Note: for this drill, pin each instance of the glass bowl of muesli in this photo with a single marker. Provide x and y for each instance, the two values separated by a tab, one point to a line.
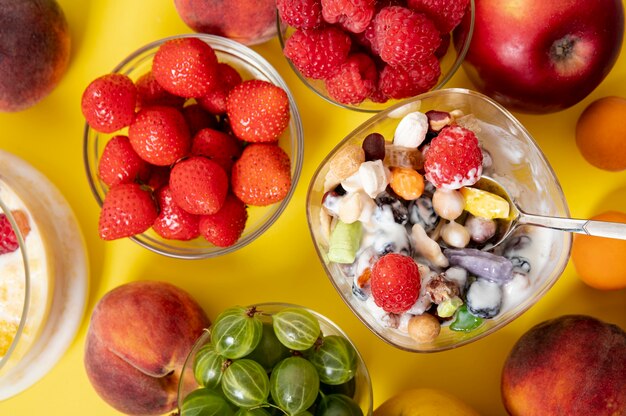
405	233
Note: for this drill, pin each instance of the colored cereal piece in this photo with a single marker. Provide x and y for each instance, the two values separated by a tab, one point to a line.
407	183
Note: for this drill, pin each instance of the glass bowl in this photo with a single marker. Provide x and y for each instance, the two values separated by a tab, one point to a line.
43	289
518	164
450	61
362	395
251	66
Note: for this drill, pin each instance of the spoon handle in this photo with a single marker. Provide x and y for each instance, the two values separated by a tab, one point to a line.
589	227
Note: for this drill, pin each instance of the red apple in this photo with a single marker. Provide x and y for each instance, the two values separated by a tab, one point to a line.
539	56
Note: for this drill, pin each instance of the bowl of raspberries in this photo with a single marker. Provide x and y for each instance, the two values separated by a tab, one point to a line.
404	220
366	55
193	146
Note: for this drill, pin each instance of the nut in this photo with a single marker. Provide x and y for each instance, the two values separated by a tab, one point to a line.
411	130
347	161
437	120
424	328
455	235
428	247
448	204
441	289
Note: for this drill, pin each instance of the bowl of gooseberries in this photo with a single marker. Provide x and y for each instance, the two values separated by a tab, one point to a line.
274	359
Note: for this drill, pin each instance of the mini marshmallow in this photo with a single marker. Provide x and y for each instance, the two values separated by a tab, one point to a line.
374	177
352	205
411	130
352	183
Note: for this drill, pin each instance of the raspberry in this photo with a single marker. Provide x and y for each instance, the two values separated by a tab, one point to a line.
173	222
318	53
186	67
215	101
198	185
352	15
454	158
446	14
398	83
262	175
355	80
301	14
127	210
119	163
258	111
160	135
404	37
220	147
8	238
150	92
225	226
108	102
395	282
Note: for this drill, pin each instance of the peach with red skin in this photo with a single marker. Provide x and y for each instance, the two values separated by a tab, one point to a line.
34	51
571	365
138	339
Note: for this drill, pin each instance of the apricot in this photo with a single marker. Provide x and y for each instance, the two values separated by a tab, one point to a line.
138	339
570	365
601	262
247	21
34	51
422	402
601	133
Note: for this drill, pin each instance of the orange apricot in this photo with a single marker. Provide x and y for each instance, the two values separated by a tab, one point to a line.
601	262
601	133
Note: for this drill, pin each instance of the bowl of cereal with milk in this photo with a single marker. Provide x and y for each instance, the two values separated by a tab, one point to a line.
406	233
43	275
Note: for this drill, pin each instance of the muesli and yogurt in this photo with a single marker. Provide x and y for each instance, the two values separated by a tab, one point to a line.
406	222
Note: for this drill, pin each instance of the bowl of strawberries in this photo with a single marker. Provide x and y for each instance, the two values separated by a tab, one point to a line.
367	55
193	146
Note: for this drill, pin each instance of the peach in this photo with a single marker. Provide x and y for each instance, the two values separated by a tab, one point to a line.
34	51
247	21
570	365
138	339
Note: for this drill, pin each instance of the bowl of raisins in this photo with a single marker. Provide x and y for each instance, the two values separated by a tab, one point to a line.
407	236
274	358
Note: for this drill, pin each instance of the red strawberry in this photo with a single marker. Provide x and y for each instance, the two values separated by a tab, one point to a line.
398	83
225	226
395	282
301	14
215	101
355	80
186	67
173	222
262	175
150	92
217	146
318	53
160	135
404	37
8	238
119	163
198	118
258	111
108	102
158	176
446	14
352	15
127	210
454	158
198	185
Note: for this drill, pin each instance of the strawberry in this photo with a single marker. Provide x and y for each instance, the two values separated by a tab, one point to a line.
160	135
150	92
108	102
119	163
198	118
198	185
127	210
446	14
301	14
186	67
258	111
262	175
398	83
157	176
215	101
352	15
354	81
454	158
173	222
404	37
395	282
318	53
8	238
225	226
217	146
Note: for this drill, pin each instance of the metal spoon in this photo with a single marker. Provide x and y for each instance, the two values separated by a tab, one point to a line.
518	217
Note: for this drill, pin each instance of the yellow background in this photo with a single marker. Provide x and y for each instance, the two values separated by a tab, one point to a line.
282	264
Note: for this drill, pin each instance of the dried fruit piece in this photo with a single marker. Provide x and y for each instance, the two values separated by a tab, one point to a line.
485	204
407	183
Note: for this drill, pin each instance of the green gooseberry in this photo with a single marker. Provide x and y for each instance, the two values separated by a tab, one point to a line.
236	332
